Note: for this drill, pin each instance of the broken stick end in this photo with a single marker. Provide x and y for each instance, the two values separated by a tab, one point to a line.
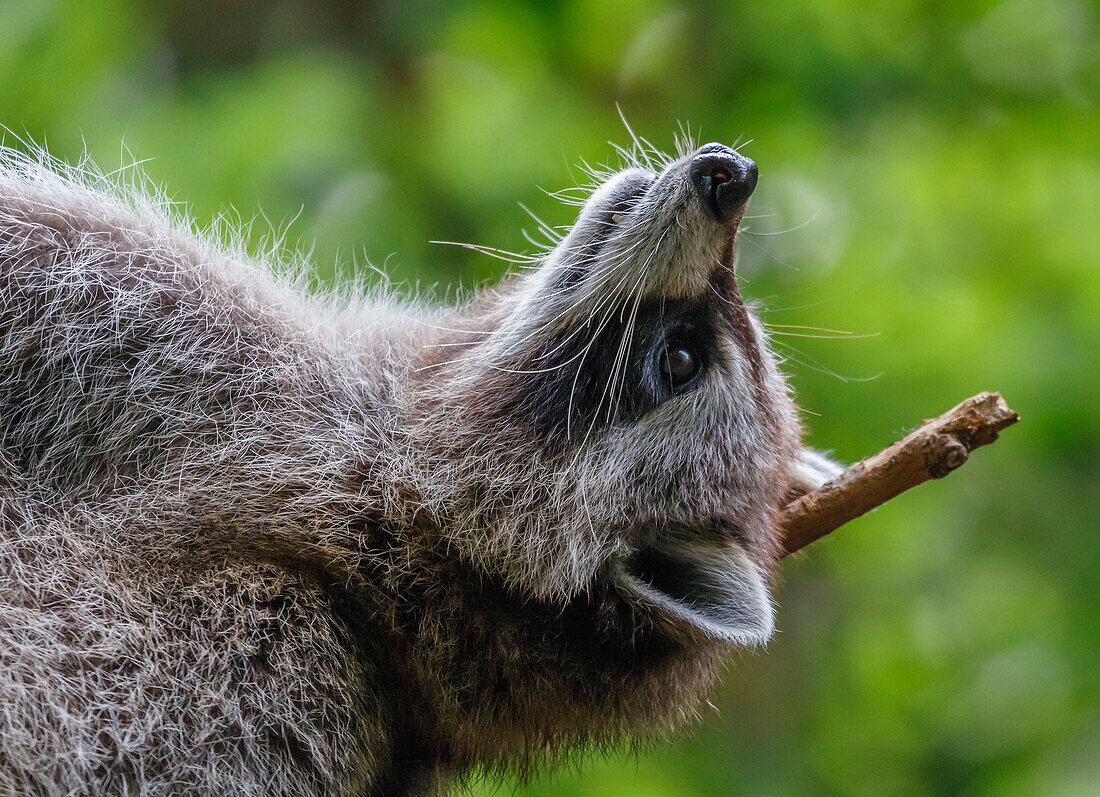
936	448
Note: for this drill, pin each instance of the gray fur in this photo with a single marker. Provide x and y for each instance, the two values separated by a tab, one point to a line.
258	541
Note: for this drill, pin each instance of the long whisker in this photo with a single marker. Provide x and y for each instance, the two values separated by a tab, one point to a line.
553	235
789	229
492	251
815	365
618	367
845	336
808	326
770	254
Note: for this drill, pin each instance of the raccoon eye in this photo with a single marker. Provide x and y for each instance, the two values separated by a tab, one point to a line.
678	365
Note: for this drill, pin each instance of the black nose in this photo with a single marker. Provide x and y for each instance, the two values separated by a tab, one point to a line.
723	179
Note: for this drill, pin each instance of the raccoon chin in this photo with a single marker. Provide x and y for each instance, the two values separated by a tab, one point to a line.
699	590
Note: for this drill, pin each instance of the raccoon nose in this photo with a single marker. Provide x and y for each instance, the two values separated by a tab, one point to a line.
723	179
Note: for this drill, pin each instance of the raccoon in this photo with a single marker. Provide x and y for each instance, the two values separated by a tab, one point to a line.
261	539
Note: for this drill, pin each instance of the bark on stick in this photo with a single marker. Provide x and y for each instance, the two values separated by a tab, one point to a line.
931	452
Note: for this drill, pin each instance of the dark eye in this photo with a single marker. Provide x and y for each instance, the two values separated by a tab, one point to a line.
679	364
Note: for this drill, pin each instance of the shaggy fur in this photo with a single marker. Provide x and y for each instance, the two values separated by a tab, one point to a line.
257	541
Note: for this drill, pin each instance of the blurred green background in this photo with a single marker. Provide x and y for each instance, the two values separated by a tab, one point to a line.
930	179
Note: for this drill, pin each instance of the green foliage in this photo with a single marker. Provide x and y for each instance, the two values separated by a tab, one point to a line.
930	178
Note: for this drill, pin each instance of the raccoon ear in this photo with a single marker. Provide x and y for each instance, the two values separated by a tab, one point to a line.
699	592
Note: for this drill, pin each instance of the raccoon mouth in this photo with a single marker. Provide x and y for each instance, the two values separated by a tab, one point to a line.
699	590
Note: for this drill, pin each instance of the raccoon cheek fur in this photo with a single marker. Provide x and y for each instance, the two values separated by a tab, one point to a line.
266	541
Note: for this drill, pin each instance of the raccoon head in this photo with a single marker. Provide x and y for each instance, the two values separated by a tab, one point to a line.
616	414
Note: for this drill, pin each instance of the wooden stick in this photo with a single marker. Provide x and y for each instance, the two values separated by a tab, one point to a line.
931	452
